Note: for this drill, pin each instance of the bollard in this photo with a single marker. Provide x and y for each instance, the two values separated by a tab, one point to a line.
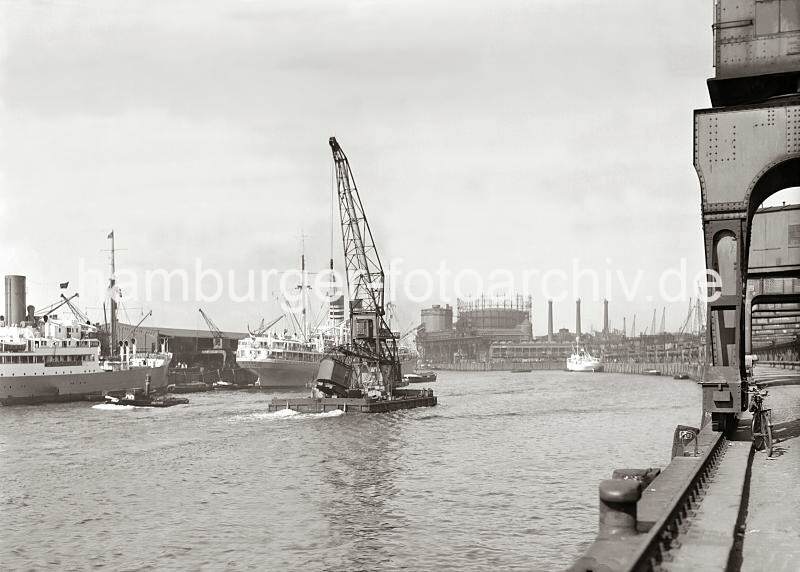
644	476
618	498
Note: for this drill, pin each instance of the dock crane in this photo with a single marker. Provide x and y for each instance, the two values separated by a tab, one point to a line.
262	328
216	333
368	363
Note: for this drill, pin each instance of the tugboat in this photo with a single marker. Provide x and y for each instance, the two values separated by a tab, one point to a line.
139	397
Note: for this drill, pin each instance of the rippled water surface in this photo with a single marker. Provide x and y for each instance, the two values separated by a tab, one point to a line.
501	475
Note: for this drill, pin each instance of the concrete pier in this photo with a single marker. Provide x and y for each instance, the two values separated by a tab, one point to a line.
736	511
772	527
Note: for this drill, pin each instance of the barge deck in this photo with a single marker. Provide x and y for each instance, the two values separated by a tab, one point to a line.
403	399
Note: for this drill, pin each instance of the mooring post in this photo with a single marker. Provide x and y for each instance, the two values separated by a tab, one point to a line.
618	498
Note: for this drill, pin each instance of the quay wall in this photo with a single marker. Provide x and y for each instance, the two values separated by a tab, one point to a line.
666	368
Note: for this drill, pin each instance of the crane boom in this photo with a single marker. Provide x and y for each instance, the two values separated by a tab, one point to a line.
136	327
362	264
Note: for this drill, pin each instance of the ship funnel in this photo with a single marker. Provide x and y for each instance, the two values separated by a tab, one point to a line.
15	299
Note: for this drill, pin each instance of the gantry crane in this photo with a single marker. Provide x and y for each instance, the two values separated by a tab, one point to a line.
368	362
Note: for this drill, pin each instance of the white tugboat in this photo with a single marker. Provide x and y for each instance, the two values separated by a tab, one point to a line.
582	360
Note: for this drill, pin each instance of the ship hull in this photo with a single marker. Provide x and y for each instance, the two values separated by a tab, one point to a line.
27	390
282	374
586	367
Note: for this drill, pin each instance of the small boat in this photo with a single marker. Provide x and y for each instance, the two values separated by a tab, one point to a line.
224	385
521	370
420	377
140	398
651	372
681	376
581	360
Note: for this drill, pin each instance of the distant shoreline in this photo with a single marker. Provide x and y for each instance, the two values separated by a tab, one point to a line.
666	369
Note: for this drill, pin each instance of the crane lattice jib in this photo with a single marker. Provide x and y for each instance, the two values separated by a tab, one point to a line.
212	327
365	278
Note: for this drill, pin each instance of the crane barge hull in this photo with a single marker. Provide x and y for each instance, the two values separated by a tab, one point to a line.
402	399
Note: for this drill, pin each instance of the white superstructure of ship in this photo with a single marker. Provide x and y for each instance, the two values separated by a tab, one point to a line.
582	360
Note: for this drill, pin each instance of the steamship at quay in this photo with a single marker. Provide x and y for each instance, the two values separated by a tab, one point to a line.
280	362
291	360
44	359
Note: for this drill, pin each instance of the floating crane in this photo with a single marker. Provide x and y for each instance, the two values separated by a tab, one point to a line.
368	363
216	333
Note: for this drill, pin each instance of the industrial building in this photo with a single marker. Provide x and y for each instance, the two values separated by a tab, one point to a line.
499	332
480	323
184	344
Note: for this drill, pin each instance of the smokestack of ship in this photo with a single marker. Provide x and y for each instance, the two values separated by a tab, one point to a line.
15	299
605	318
549	320
578	317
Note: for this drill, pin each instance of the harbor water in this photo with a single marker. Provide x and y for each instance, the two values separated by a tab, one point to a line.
502	474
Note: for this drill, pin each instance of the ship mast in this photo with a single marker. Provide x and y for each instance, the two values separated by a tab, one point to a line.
303	287
112	290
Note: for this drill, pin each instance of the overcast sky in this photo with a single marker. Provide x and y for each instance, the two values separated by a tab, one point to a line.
486	135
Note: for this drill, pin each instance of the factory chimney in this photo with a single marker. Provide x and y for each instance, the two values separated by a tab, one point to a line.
549	320
624	327
15	299
578	318
605	318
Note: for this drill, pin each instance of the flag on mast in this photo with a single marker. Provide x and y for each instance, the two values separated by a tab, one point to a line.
110	234
64	285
